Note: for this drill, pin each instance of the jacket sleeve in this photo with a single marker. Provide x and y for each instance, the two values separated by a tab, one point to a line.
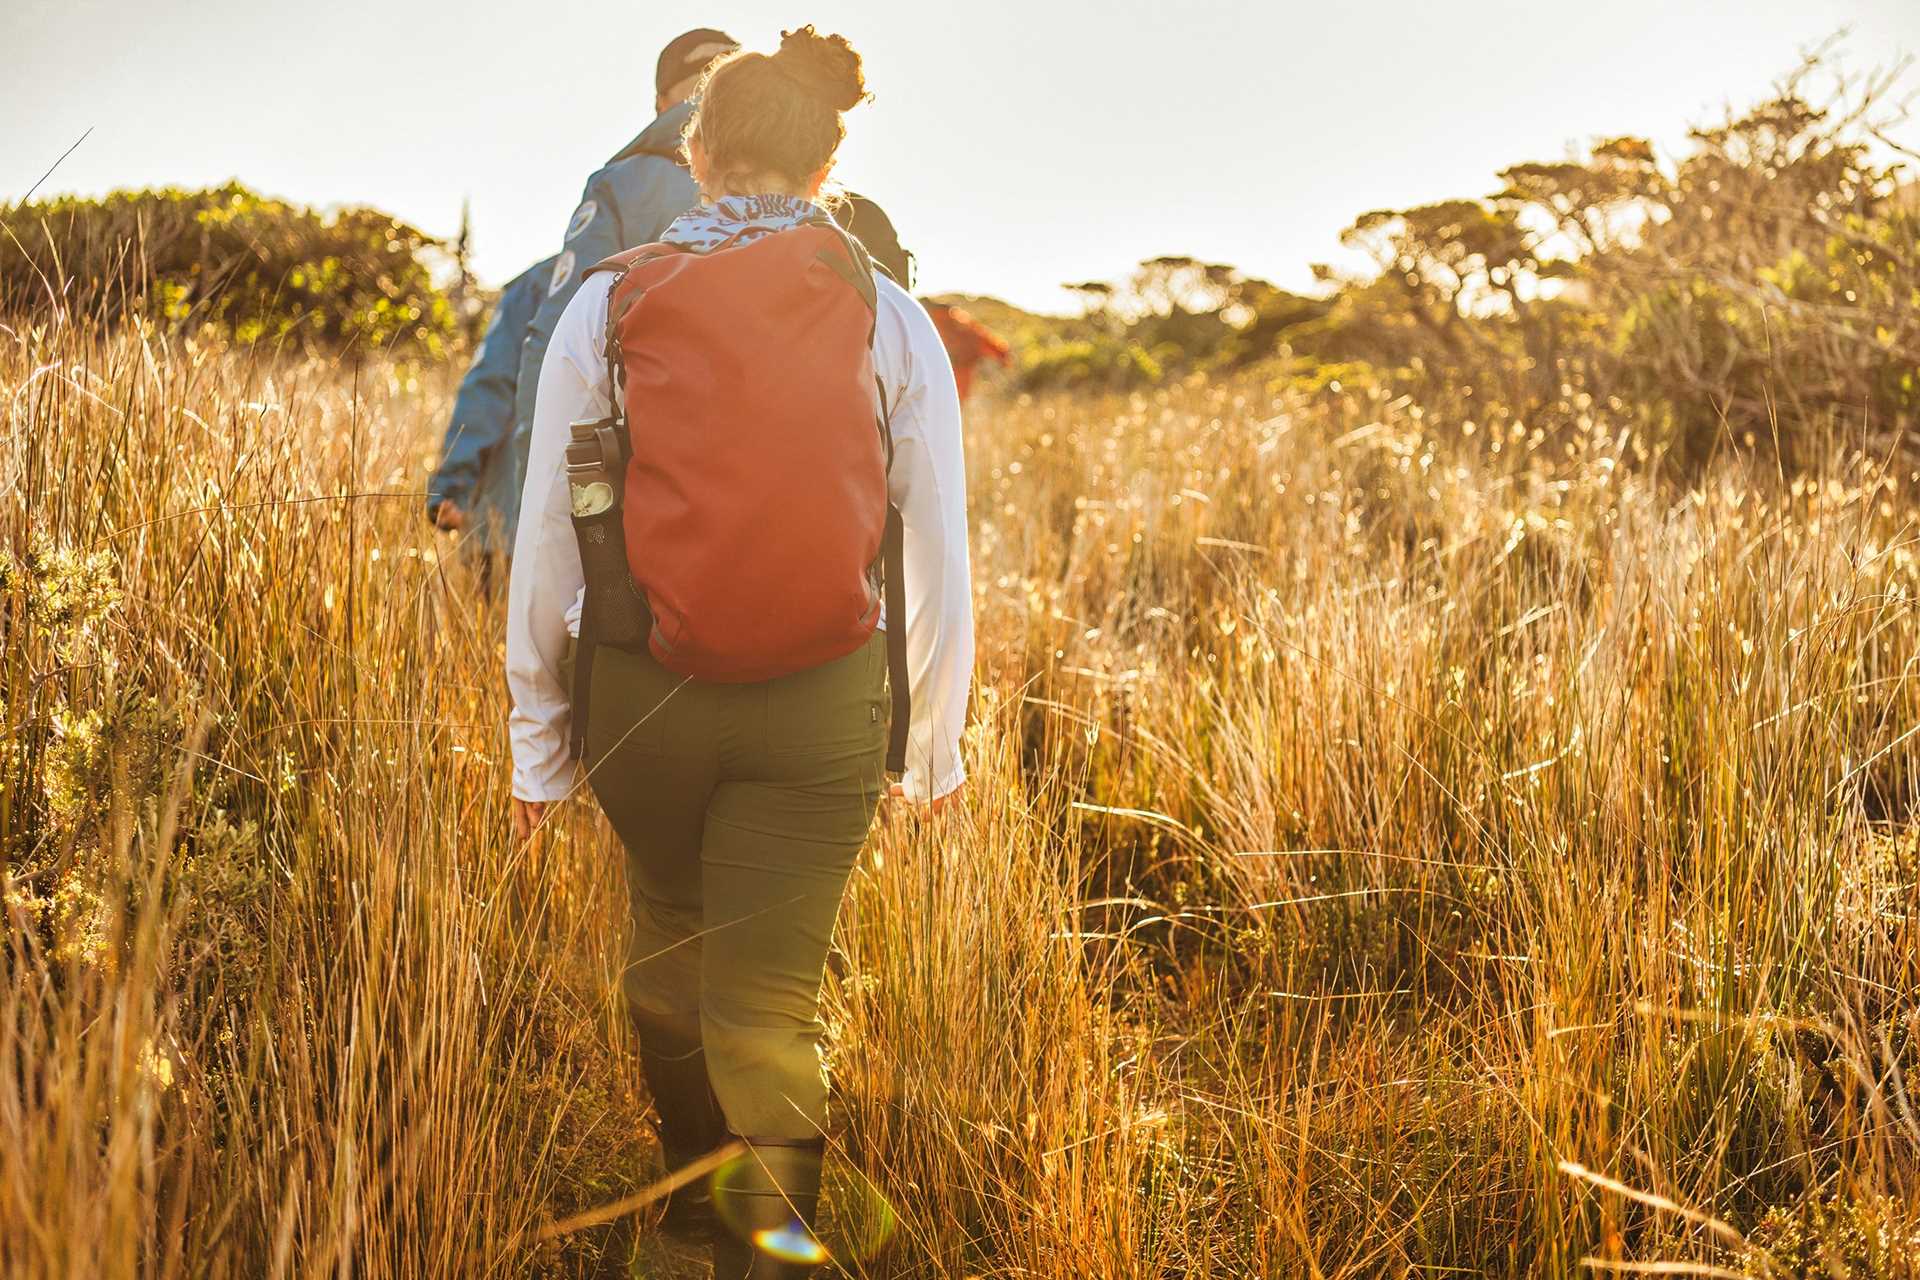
483	411
544	588
928	482
594	233
627	203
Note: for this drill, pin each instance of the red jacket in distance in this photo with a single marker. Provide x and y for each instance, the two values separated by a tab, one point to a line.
968	342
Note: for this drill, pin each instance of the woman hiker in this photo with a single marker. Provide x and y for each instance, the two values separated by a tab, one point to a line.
745	492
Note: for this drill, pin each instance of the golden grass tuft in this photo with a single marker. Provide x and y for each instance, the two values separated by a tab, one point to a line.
1386	855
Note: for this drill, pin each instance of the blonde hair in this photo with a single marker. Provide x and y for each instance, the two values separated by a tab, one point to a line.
776	115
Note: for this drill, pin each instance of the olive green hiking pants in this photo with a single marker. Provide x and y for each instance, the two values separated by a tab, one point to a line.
742	808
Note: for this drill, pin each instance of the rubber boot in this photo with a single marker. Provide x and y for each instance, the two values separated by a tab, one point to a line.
768	1202
687	1118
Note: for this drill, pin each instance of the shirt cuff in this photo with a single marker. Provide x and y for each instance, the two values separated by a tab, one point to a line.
437	493
544	785
914	784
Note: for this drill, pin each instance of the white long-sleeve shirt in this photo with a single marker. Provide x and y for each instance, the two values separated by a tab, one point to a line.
927	482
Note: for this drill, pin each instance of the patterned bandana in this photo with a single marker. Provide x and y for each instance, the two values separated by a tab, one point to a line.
740	219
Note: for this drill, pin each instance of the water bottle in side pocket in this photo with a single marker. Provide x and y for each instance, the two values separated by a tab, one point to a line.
615	613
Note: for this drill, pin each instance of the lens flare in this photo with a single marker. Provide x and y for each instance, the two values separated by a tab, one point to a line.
791	1243
857	1221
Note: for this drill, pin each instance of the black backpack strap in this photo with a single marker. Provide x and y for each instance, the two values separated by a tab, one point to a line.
582	691
893	545
893	579
616	367
858	271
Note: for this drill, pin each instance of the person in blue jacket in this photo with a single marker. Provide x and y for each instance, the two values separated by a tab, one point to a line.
475	489
629	201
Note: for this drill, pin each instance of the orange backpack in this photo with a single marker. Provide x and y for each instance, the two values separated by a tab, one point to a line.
755	513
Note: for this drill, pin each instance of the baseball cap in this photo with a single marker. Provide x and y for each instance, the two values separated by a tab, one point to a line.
689	54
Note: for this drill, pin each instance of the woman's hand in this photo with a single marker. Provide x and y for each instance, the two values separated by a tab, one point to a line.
527	816
925	808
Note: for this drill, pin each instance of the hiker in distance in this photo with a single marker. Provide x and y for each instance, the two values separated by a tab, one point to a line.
628	201
969	343
476	487
475	491
746	494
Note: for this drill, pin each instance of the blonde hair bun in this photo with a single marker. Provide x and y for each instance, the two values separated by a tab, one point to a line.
825	66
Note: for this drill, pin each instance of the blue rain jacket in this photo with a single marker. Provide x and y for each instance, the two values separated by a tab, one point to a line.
630	201
477	472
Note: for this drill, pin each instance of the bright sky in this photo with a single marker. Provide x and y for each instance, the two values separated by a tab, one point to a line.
1017	143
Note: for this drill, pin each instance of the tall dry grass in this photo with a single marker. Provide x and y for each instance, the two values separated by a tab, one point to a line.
1390	851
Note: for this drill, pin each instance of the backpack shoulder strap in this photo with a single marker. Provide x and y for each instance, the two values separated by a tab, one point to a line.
626	259
857	269
619	265
894	585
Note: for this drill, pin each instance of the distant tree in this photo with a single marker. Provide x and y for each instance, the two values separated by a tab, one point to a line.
1769	267
1096	304
1451	280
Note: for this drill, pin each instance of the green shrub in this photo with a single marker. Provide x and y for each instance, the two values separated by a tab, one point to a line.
1100	361
258	269
1836	1238
1822	335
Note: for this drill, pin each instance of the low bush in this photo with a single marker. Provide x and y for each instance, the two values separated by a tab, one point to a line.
257	268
